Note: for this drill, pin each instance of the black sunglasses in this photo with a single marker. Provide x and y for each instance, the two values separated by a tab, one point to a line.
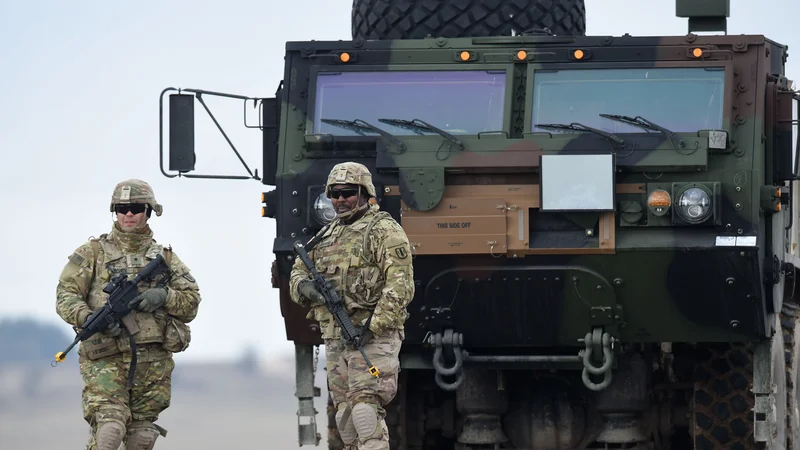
346	193
135	208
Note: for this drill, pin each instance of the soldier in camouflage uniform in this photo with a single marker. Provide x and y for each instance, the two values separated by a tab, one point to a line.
367	257
116	415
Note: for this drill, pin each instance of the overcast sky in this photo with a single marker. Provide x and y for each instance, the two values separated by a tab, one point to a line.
79	113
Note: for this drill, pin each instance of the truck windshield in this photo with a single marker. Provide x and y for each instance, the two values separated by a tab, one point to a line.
459	102
683	99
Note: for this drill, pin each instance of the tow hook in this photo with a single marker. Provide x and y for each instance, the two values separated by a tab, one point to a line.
597	342
453	342
597	358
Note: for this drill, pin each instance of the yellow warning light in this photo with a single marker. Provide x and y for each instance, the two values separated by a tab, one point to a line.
263	212
263	199
659	199
522	54
344	57
464	55
698	52
578	54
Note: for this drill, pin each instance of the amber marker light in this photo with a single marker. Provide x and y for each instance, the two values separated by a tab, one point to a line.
464	55
698	52
522	54
344	57
659	202
578	54
659	198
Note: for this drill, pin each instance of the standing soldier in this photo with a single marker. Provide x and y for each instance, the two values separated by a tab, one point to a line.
115	413
366	256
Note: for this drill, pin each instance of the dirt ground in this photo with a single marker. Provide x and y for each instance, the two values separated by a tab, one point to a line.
213	407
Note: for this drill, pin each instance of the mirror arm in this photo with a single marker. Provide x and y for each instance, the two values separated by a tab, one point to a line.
199	95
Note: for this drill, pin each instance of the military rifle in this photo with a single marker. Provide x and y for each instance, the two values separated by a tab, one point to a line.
336	307
118	307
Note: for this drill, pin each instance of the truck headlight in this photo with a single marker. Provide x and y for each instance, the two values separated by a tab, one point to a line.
323	209
694	205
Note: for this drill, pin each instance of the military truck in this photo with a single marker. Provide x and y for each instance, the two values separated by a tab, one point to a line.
604	228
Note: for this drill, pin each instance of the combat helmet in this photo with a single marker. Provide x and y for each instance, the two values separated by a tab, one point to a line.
135	191
350	173
355	174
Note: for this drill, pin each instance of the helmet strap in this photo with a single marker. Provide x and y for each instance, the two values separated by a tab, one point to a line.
355	210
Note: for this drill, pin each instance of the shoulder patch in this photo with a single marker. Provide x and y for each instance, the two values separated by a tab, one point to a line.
400	251
189	278
397	246
76	259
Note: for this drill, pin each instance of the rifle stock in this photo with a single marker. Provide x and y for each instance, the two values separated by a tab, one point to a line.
335	306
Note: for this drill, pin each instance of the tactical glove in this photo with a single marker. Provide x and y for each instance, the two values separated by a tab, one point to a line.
152	299
112	330
307	290
82	316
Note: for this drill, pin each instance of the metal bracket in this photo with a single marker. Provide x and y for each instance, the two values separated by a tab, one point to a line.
305	369
765	410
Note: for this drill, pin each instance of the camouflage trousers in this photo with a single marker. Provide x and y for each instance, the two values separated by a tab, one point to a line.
105	396
358	397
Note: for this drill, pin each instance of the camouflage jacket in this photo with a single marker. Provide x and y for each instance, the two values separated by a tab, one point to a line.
91	267
369	264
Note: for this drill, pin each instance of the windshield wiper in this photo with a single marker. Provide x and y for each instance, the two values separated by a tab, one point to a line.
641	122
418	124
359	126
581	127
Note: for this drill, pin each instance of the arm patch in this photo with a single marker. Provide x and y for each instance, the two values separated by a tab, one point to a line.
399	251
397	247
76	259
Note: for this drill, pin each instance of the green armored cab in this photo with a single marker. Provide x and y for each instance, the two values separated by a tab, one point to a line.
603	228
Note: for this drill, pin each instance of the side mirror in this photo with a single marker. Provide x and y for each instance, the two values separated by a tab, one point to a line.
797	137
181	133
795	175
779	132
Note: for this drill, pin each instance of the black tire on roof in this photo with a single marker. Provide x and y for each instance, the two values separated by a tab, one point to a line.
416	19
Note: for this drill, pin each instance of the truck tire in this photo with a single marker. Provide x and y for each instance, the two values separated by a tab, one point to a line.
723	399
416	19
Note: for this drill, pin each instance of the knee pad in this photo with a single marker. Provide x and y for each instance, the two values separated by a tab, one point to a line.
109	435
366	422
142	435
344	422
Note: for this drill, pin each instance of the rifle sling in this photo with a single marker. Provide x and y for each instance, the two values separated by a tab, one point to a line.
309	246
